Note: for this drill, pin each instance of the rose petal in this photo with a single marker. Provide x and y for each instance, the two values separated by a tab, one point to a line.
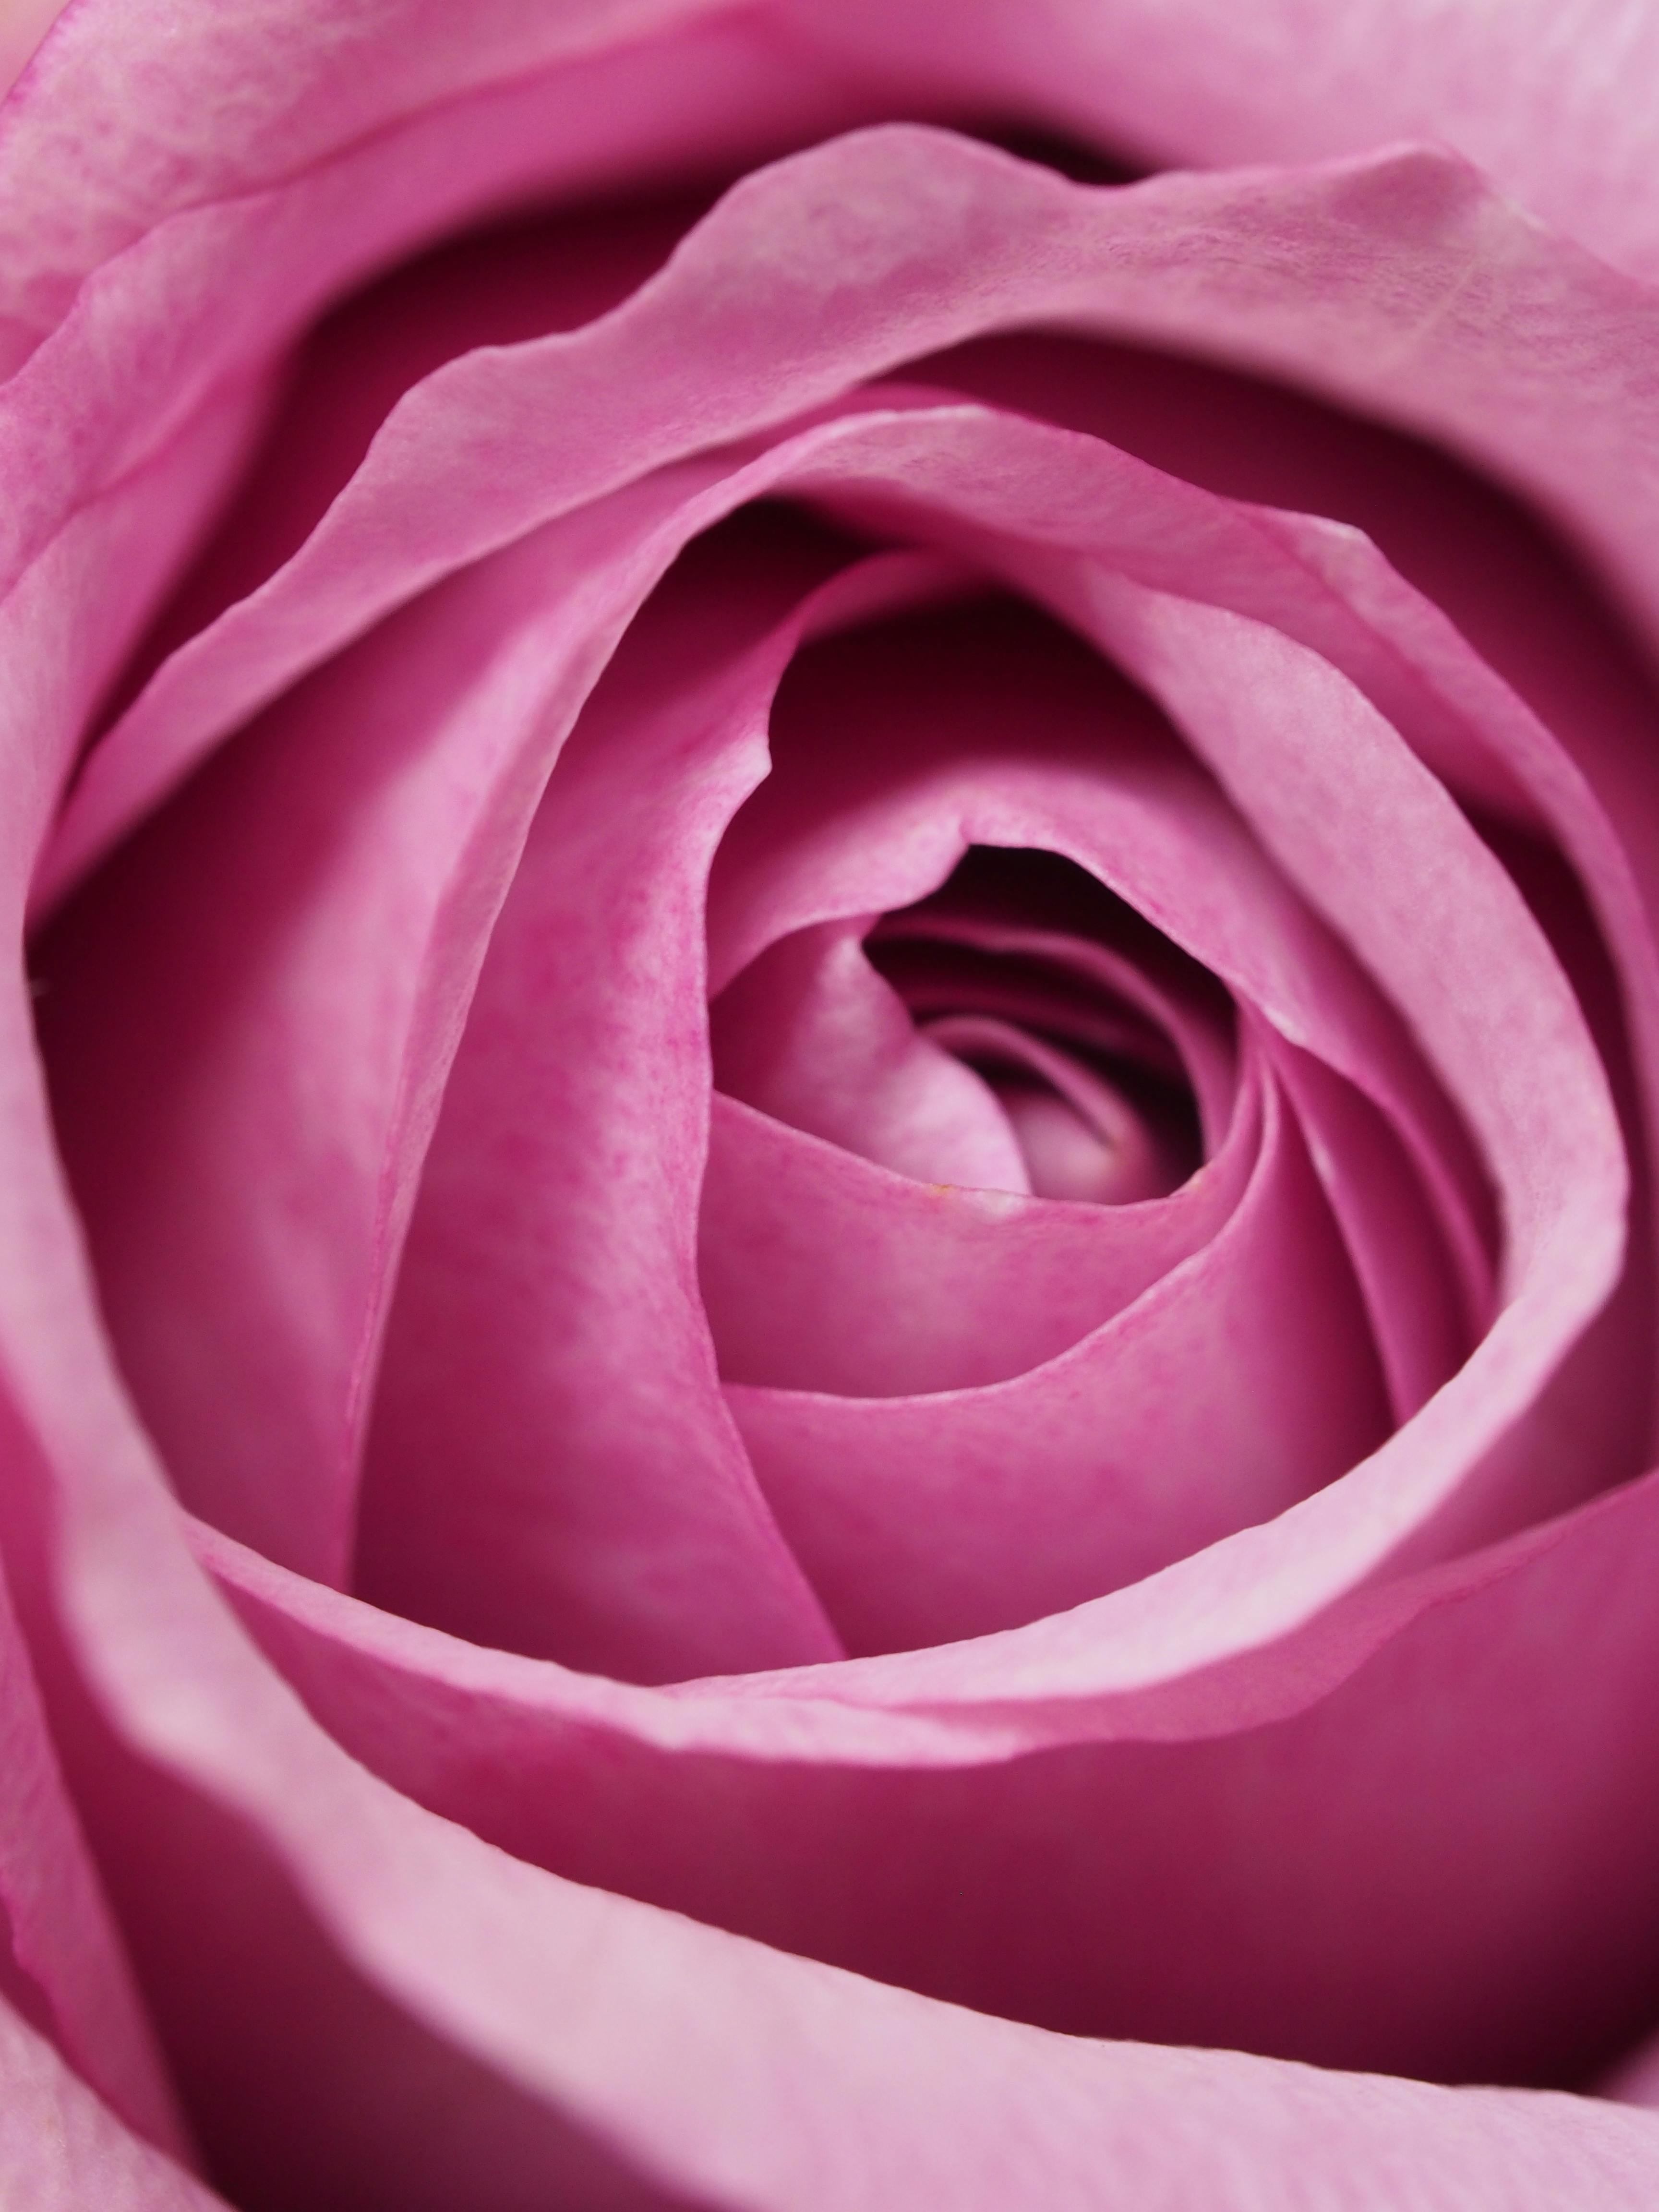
549	1446
1526	371
56	1932
252	1342
1539	100
1587	765
820	1271
893	753
1065	982
61	2150
377	125
1377	845
1388	1224
1433	1453
810	1034
1238	1383
350	371
1427	1805
163	1661
1080	1138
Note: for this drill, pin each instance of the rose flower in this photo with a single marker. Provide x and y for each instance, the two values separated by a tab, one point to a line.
826	1291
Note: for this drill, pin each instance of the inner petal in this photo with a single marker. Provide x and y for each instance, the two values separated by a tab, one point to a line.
957	1046
1078	1138
810	1034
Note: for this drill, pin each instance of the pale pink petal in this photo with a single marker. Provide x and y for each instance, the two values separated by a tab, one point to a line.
1237	1383
61	1957
1069	979
1550	102
61	2150
551	1465
1535	371
811	1034
1425	1845
820	1272
1079	1136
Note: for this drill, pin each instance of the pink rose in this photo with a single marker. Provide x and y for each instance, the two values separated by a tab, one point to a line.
828	1306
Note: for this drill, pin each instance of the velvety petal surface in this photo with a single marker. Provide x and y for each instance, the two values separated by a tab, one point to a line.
1544	97
60	2150
457	1876
62	1957
383	806
550	1396
822	1272
450	120
1241	1381
1525	371
1424	1767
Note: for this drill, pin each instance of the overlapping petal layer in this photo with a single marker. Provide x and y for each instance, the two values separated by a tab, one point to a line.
1533	92
60	2148
456	1874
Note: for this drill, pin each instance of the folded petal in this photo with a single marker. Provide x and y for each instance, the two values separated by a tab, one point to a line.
820	1271
552	1466
57	1934
1418	1840
1242	1380
378	127
61	2149
1527	370
1496	662
1547	102
810	1034
248	1195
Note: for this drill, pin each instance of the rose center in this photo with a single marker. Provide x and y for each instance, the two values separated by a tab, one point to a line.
993	1035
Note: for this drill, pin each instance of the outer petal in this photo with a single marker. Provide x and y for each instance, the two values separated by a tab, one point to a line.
61	2151
1546	97
130	117
1399	284
1424	1844
56	1932
730	2073
1550	99
662	2038
684	2035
